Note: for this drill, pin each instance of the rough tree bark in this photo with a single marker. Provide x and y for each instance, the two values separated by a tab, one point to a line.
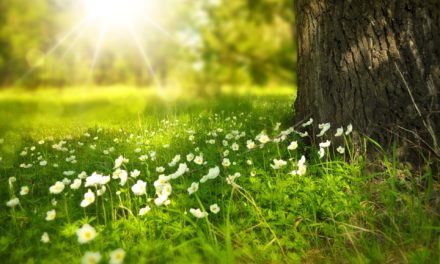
375	64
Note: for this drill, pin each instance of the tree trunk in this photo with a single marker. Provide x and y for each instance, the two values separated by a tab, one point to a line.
375	64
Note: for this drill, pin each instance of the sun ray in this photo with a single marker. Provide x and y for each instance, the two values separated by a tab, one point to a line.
98	47
147	61
159	28
75	40
61	41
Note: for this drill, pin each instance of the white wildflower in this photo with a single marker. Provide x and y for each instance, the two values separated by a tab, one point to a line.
214	208
349	129
117	256
89	198
226	162
91	257
13	202
45	238
50	215
277	164
140	188
143	211
339	132
198	213
57	188
135	173
293	145
86	234
193	188
24	190
341	150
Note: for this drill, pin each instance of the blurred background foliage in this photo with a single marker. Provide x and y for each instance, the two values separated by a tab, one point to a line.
204	43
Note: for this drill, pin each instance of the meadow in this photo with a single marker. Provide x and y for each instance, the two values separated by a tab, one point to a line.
138	176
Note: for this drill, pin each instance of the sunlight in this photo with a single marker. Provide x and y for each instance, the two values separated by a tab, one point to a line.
114	13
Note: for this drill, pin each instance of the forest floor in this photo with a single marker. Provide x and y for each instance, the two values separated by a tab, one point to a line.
123	173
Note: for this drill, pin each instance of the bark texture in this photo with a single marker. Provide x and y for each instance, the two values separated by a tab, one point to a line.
375	64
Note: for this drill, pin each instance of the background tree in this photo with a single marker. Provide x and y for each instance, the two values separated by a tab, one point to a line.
375	64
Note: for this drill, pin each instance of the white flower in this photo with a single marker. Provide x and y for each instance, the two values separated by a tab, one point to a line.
135	173
117	256
89	198
293	145
212	174
198	160
68	173
325	144
93	180
324	128
43	163
76	184
214	208
277	164
57	188
305	134
341	150
231	178
104	180
226	162
119	161
226	153
166	190
349	129
308	123
82	175
24	190
174	161
189	157
122	175
86	234
45	238
180	171
11	180
193	188
162	180
198	213
249	162
140	188
101	191
144	211
66	181
235	147
161	200
321	153
54	202
263	138
143	157
13	202
250	144
160	169
50	215
302	160
339	132
91	257
301	169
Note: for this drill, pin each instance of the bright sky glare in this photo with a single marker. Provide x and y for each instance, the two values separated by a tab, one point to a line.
116	13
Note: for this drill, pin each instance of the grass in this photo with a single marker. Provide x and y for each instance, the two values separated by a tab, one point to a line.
340	211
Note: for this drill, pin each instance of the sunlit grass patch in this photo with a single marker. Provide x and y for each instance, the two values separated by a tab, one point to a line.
194	180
